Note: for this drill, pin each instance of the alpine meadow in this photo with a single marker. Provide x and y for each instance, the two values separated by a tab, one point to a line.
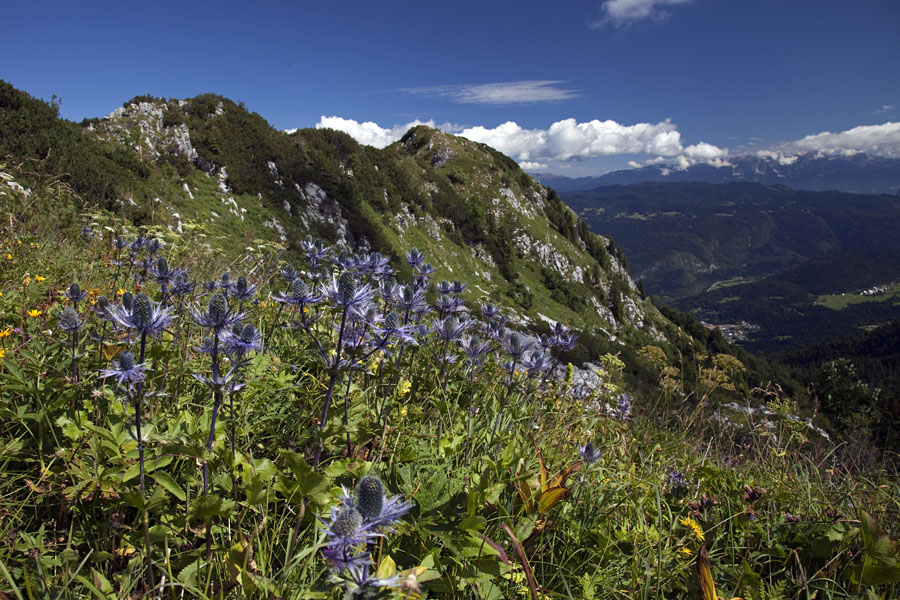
237	362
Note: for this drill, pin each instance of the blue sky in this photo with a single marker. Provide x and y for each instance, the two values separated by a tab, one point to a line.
570	87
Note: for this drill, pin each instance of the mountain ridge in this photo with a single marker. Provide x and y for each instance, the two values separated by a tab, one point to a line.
859	173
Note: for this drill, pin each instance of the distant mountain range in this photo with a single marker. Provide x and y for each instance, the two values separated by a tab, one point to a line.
791	262
859	173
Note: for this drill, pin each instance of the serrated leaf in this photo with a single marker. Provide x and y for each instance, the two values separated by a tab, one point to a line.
209	506
170	485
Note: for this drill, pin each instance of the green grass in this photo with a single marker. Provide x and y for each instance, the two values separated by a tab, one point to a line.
841	301
778	507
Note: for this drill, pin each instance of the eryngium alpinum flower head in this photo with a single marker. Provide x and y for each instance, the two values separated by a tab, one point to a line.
142	315
126	371
217	315
68	320
370	497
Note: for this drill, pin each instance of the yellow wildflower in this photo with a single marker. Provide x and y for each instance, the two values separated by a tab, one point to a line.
34	313
2	352
694	527
120	292
686	551
8	256
39	279
404	387
403	412
5	333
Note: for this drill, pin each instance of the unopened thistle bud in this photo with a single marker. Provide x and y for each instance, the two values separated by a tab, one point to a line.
370	497
347	522
346	286
142	311
217	308
126	361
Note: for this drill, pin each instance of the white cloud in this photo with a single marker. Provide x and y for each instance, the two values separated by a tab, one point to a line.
565	140
512	92
627	12
368	133
568	139
881	139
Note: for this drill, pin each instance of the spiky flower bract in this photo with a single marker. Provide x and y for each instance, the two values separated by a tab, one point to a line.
126	372
218	315
143	316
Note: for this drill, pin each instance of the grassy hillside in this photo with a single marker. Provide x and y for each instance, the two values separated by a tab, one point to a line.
238	462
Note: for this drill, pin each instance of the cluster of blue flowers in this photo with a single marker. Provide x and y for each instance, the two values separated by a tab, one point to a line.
352	530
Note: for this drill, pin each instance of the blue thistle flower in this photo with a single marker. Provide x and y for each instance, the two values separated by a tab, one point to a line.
414	258
69	320
143	315
218	315
589	454
242	290
126	371
75	294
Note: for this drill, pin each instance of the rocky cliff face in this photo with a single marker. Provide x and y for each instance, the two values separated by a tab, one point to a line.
473	211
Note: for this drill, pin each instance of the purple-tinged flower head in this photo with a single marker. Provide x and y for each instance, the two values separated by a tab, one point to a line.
450	329
415	258
392	328
545	341
182	285
225	283
69	320
242	340
288	273
346	537
360	582
377	511
589	454
458	287
623	410
677	479
377	265
496	330
316	252
163	274
474	349
127	300
300	295
126	372
153	246
137	244
144	316
515	344
120	243
426	270
102	308
87	233
422	332
412	300
344	262
490	311
75	294
566	341
346	293
447	305
218	316
536	362
389	289
210	286
444	287
226	384
242	290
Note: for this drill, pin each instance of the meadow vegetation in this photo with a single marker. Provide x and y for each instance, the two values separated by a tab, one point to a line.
256	423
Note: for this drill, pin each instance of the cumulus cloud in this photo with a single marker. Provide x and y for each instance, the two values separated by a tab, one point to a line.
512	92
367	132
881	139
627	12
568	139
563	141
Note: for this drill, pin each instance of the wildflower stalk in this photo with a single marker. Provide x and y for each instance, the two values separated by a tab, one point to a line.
335	368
